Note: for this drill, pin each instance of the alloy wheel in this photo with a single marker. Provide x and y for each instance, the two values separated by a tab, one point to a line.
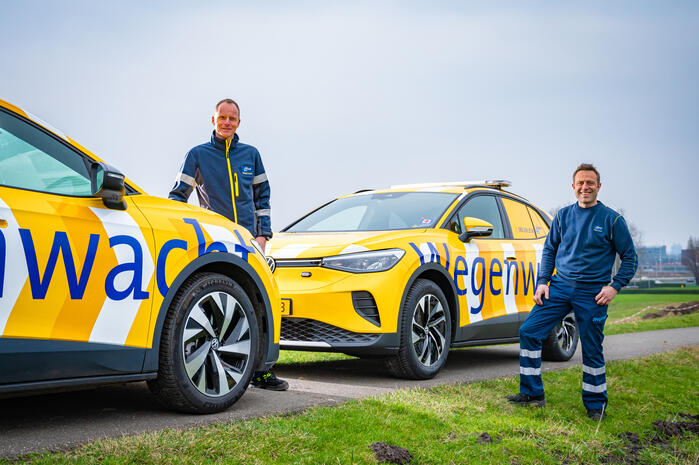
216	343
428	330
566	332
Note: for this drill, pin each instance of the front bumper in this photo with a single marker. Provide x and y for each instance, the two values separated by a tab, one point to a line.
313	335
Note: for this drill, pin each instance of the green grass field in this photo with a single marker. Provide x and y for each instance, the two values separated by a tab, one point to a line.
625	306
445	425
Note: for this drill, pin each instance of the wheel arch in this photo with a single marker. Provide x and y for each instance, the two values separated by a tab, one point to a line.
242	273
438	275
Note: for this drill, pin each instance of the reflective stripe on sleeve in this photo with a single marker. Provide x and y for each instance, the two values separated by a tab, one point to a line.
260	178
186	179
593	371
530	353
529	371
592	388
262	212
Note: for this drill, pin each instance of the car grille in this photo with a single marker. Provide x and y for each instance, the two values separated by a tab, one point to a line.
307	330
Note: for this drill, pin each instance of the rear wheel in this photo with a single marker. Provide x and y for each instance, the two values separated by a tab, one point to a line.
562	341
425	333
208	346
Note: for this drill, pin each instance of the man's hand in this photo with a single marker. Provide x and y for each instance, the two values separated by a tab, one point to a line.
542	290
606	295
262	241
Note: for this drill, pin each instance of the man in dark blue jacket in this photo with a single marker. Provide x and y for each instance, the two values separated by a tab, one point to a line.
582	245
230	179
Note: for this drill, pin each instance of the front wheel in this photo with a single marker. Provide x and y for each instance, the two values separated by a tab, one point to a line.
425	333
208	346
562	341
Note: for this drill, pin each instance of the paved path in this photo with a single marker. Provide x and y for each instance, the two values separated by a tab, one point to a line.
64	420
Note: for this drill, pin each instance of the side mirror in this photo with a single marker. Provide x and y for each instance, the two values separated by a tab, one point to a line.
108	183
475	227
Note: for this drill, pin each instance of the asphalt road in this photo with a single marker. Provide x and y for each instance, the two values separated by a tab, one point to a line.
64	420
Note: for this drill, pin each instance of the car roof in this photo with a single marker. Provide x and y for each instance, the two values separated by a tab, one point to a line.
457	187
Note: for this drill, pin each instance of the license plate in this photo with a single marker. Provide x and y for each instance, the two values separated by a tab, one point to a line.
286	306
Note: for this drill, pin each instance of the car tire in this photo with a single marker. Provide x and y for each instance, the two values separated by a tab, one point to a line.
562	341
425	333
209	345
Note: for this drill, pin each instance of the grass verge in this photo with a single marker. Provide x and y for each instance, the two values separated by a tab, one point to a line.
445	425
626	311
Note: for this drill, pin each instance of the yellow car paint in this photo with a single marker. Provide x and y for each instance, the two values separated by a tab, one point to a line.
74	270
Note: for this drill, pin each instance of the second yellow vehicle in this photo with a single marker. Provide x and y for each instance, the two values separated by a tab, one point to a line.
406	273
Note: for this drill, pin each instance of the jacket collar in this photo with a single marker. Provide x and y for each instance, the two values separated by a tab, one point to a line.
221	143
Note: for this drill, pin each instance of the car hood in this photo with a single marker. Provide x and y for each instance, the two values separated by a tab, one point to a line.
324	244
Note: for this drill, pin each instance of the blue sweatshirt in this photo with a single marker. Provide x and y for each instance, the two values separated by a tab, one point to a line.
214	170
582	245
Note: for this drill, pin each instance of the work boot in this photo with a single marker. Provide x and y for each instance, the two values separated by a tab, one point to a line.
268	380
524	399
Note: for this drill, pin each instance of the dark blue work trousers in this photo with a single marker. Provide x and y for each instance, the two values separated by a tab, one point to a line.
590	317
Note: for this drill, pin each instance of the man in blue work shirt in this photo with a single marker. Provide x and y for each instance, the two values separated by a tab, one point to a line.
230	179
582	245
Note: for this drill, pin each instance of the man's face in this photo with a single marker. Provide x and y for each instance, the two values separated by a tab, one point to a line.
226	120
586	188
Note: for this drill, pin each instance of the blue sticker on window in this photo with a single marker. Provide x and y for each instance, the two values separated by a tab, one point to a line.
246	170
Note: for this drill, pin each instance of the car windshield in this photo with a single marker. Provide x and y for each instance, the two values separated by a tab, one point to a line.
377	212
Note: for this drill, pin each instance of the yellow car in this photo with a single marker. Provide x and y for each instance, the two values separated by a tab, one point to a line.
406	273
100	282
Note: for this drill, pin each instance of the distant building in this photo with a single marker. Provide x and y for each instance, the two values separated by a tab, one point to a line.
675	251
651	257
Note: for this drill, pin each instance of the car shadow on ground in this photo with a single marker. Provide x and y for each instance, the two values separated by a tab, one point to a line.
373	372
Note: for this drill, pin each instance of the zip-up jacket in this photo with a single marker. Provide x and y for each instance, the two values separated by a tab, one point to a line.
582	245
230	179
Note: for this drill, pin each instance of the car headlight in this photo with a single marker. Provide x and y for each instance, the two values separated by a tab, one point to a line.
364	262
270	261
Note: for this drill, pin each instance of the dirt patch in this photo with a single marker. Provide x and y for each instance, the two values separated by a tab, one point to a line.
484	438
390	454
682	309
676	428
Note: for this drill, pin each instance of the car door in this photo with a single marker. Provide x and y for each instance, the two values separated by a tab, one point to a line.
526	248
486	312
75	276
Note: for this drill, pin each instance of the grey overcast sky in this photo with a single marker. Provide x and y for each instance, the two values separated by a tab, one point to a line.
340	96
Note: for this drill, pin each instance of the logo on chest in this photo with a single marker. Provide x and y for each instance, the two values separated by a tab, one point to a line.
598	229
246	170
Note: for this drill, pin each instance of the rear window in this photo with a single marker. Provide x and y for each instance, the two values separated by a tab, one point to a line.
520	221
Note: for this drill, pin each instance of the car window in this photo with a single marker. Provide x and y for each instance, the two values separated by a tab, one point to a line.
32	159
377	212
484	207
520	222
540	227
342	219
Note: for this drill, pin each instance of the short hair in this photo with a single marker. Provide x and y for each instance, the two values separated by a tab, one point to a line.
586	167
229	100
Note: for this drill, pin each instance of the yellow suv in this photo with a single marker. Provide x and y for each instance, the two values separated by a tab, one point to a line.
100	282
408	272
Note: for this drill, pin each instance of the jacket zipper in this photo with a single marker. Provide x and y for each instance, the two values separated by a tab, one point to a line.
234	189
